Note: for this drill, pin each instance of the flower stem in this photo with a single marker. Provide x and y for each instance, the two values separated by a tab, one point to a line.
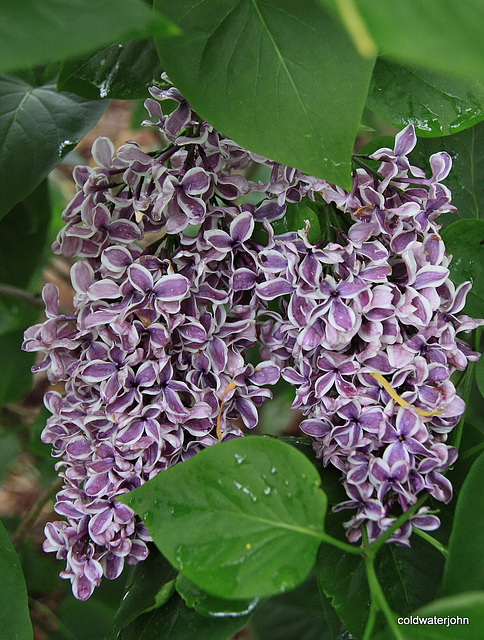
344	546
356	28
435	543
21	294
31	516
370	623
357	160
378	600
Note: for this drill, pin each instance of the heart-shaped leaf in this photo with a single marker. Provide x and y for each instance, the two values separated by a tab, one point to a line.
33	33
464	240
241	519
282	79
123	71
444	37
14	613
464	568
38	126
436	104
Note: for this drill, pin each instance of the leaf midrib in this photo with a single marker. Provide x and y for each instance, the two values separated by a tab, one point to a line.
280	56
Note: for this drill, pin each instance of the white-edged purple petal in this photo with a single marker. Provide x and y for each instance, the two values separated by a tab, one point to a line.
172	287
274	289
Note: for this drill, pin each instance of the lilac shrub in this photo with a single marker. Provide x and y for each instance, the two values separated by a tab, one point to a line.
179	274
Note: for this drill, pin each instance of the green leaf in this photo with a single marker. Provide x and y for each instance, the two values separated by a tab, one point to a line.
464	240
90	620
297	214
14	613
15	376
480	375
41	571
464	568
469	607
436	104
123	71
409	578
175	621
281	78
330	476
38	126
55	29
152	583
297	615
240	519
24	234
209	605
444	37
467	152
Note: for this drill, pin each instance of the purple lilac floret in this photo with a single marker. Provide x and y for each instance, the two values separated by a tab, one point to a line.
153	356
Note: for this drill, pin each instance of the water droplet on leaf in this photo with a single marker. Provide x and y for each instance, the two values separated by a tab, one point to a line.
66	146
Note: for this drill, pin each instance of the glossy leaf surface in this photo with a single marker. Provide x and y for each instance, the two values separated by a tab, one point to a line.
464	568
38	127
231	517
55	29
151	585
123	71
209	605
282	79
14	613
464	240
436	104
175	621
445	38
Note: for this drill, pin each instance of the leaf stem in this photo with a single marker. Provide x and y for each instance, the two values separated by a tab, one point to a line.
344	546
370	623
472	451
431	540
377	596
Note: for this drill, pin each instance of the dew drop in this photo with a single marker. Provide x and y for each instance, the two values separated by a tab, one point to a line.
66	146
178	557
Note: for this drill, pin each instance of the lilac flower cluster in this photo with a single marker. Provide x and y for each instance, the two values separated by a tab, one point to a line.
173	286
366	333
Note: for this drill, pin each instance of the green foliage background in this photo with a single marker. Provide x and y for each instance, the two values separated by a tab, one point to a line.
296	82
